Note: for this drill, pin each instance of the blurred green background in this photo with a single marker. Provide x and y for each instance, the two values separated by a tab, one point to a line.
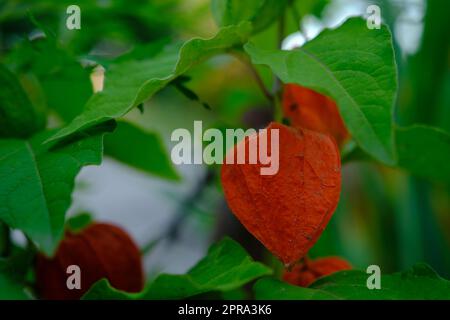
385	216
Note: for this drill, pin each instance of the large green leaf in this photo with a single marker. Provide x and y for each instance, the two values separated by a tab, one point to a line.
226	267
67	88
260	12
419	282
37	182
130	83
424	151
353	65
140	149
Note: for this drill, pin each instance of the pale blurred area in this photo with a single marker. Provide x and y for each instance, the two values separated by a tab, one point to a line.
146	206
408	26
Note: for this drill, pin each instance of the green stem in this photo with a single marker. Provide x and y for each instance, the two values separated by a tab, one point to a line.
241	56
278	109
260	84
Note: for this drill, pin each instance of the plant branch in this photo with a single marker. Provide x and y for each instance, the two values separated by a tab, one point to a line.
244	59
295	15
260	84
281	23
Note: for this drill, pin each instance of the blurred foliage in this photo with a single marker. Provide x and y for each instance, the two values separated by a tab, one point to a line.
386	216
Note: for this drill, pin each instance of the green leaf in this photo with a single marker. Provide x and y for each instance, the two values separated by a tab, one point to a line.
274	289
37	182
140	149
130	83
67	89
424	151
142	51
261	13
419	282
102	290
18	118
355	67
226	267
66	84
4	239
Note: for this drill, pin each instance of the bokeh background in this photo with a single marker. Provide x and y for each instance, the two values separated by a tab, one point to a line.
385	216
